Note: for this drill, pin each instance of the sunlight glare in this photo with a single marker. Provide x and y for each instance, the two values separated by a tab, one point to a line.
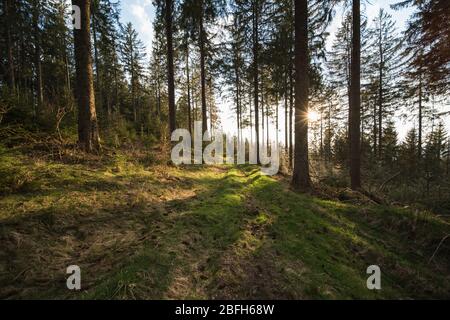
313	116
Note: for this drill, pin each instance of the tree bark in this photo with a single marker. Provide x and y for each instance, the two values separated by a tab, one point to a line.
256	72
380	97
286	107
170	68
202	70
291	113
188	79
98	85
88	137
419	149
301	178
355	105
37	57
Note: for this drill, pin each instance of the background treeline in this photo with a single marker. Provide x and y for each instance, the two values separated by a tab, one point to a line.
243	52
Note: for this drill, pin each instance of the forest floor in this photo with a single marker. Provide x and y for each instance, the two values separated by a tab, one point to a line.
143	230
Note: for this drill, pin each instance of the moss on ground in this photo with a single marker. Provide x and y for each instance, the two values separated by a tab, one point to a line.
142	231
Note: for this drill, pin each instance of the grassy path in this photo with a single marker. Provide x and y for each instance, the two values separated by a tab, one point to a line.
201	233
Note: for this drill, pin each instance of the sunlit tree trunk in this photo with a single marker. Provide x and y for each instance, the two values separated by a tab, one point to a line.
301	178
88	137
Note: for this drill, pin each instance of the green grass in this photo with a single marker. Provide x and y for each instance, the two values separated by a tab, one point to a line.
160	232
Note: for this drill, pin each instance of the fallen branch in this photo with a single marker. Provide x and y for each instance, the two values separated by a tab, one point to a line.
388	180
438	247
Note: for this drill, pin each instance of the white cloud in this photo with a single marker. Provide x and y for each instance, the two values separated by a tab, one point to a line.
141	15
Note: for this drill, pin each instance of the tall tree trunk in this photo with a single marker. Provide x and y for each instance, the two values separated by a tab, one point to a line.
286	111
355	105
263	129
188	79
202	70
380	94
291	112
448	157
238	93
98	85
88	137
210	102
256	72
267	126
419	149
277	125
380	102
301	179
375	130
37	57
329	152
251	118
170	68
322	153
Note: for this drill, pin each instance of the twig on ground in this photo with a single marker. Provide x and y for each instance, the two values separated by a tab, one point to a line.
438	247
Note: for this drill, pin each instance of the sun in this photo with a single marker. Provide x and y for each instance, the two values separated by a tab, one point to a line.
313	116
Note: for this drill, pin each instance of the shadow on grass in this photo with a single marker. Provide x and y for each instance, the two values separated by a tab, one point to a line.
213	233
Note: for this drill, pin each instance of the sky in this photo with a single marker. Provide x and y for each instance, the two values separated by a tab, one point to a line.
141	14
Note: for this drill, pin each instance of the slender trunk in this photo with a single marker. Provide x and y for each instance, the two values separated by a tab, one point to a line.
301	179
66	67
210	102
375	130
251	119
448	156
238	102
267	126
263	129
88	136
321	136
37	58
202	70
291	114
380	98
277	120
116	82
355	105
133	85
419	149
188	87
170	67
98	86
256	71
329	153
286	108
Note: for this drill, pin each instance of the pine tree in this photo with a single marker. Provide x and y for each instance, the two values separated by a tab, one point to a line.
133	54
384	67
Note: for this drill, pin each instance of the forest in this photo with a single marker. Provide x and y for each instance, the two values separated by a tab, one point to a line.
352	100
